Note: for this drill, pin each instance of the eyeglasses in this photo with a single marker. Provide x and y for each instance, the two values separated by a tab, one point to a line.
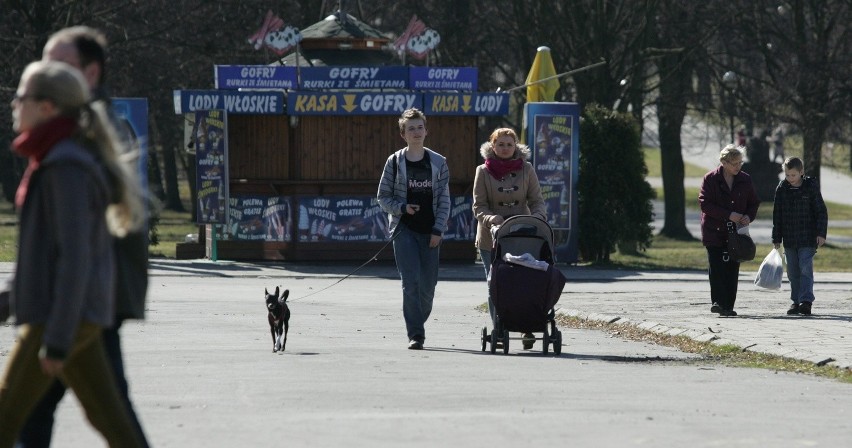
21	98
740	163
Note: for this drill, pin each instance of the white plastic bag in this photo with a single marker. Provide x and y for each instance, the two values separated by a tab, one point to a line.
770	272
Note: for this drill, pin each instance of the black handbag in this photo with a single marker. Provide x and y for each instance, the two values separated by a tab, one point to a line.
740	247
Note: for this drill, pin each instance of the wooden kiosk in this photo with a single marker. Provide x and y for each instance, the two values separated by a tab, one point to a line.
302	176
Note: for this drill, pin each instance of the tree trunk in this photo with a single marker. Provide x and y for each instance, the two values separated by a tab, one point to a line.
671	155
675	78
167	134
813	134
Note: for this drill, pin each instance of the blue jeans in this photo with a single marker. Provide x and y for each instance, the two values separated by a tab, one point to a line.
485	255
800	272
418	268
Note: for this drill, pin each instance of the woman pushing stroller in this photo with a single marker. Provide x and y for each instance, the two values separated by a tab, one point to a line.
504	186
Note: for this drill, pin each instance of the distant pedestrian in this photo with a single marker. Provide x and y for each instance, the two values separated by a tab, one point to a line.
727	194
504	186
741	137
414	192
778	143
800	223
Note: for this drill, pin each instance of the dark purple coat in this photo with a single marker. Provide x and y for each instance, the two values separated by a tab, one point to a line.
717	201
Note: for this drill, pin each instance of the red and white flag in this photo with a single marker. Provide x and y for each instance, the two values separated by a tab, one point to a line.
415	27
274	35
417	40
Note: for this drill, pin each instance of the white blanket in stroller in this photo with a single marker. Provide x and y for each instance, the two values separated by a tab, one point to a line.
526	260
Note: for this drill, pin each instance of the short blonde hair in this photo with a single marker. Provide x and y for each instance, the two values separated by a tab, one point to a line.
730	151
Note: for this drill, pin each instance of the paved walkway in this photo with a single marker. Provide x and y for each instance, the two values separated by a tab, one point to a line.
677	303
674	302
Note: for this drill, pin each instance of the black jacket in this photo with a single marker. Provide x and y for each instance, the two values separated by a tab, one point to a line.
799	216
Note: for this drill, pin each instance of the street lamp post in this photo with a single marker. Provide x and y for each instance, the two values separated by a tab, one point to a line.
730	81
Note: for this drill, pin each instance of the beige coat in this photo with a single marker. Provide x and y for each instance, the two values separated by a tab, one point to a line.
521	195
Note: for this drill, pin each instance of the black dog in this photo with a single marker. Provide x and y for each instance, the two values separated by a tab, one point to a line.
279	318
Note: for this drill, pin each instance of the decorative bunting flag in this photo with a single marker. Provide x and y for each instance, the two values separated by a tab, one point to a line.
274	35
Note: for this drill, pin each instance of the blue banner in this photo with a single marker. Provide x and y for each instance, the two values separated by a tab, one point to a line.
443	78
255	77
356	78
478	104
355	103
552	130
232	102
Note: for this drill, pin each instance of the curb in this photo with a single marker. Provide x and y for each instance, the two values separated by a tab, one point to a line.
698	336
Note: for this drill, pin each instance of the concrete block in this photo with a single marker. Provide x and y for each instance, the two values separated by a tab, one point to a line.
647	325
693	334
676	331
661	329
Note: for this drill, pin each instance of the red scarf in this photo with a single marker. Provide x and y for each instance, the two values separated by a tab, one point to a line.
35	144
499	168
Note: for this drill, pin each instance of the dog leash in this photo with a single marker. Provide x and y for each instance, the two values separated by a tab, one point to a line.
371	259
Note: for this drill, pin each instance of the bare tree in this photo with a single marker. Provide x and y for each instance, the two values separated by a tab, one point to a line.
794	56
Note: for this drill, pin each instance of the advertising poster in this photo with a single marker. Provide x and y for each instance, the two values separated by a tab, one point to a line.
338	218
211	157
133	115
462	224
553	133
259	218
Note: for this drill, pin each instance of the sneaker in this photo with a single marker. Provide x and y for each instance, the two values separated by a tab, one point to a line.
794	309
415	345
716	308
805	308
529	341
728	313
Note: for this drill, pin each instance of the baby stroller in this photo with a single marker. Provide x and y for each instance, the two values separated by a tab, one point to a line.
525	288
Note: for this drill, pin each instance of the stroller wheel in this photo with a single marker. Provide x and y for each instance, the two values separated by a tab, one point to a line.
557	343
484	338
505	342
545	341
494	341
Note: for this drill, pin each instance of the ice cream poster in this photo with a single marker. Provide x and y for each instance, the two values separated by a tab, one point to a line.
209	137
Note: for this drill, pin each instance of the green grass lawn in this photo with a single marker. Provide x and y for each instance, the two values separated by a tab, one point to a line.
173	228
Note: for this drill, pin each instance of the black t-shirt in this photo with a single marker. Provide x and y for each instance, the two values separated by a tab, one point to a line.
419	175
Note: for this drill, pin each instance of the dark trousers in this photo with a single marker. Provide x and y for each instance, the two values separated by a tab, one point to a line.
38	430
724	275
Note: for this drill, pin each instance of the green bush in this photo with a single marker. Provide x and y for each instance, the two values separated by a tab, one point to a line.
614	198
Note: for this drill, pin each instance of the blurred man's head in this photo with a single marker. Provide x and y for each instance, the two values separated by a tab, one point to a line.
81	47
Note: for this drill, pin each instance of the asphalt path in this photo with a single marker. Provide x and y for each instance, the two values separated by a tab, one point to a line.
202	373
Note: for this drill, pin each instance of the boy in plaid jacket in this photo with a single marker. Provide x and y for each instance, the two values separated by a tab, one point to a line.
800	222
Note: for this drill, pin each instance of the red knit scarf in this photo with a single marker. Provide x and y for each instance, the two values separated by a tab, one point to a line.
35	144
499	168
